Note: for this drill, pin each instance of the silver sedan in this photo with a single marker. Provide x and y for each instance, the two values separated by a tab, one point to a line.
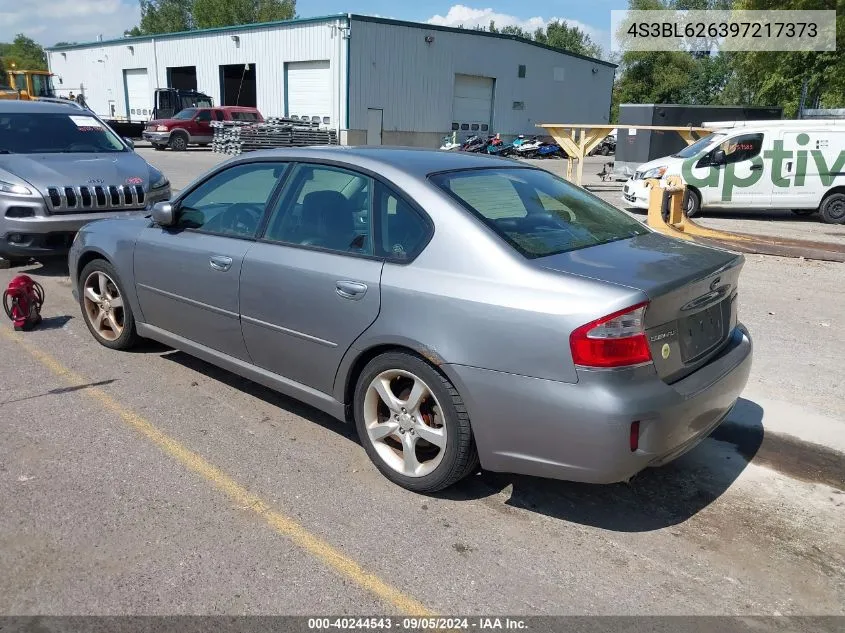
458	309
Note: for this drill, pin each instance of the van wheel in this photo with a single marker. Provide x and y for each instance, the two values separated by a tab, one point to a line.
178	142
413	423
833	209
693	209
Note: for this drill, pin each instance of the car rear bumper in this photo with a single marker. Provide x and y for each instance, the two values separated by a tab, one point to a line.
49	235
581	431
635	194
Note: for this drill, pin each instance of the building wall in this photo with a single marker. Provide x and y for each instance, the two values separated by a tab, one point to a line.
392	67
99	67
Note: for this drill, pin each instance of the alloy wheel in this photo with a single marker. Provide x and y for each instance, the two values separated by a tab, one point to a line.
103	305
404	422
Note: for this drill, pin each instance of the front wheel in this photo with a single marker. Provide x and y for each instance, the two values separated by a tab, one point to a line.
178	142
413	423
693	207
106	310
833	209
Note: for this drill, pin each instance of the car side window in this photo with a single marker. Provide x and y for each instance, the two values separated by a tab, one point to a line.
218	115
401	229
231	202
327	207
743	147
204	115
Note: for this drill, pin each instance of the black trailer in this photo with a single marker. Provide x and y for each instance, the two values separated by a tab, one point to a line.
635	147
168	102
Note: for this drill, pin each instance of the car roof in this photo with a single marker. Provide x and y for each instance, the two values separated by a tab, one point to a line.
46	107
245	108
413	161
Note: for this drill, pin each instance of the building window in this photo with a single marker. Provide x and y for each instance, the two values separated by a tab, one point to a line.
522	71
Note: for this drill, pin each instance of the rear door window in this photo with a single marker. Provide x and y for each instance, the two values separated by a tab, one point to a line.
537	213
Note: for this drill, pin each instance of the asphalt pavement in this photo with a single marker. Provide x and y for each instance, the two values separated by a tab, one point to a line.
150	482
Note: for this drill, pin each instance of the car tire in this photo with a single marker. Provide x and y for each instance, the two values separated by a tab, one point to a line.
383	429
111	325
693	208
178	142
833	209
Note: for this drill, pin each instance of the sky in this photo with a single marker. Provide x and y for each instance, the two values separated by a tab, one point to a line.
51	21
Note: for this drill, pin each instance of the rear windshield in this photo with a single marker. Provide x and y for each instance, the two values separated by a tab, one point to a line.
49	133
536	212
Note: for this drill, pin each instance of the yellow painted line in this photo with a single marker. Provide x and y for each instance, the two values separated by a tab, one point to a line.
282	524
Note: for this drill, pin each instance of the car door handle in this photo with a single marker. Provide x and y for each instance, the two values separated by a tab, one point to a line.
351	289
220	262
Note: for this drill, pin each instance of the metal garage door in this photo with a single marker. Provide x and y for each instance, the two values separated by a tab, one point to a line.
139	99
308	90
473	100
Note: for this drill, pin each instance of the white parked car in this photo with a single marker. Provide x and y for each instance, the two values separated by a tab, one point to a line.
797	165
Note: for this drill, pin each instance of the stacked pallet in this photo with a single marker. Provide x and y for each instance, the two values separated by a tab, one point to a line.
236	137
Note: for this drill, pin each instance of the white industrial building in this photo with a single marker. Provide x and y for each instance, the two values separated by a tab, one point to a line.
375	80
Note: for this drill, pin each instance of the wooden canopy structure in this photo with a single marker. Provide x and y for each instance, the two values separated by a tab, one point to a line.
579	139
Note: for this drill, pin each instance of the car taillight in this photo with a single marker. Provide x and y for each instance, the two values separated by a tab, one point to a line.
617	340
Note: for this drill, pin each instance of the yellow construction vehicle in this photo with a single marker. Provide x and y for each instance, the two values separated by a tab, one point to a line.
31	84
7	92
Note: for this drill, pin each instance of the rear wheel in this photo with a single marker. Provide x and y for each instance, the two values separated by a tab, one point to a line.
833	209
107	313
178	142
413	423
693	208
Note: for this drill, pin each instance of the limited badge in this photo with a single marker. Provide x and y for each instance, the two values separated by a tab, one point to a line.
665	351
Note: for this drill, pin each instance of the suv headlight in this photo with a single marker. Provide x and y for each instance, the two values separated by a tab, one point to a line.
655	172
8	187
161	128
159	183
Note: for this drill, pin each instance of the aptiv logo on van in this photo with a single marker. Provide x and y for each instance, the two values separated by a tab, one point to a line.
777	157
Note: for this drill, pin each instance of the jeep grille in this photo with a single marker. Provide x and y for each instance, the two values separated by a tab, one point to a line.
94	198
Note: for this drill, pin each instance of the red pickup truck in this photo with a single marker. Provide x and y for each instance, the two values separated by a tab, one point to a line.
192	126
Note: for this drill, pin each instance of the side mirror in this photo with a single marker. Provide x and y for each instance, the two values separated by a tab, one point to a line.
163	214
719	157
129	142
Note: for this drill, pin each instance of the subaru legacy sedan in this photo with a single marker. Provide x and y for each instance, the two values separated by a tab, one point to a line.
458	309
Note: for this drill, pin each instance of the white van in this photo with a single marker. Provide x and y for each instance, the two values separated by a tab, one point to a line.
797	165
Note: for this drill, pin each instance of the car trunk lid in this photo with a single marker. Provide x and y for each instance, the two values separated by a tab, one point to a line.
691	291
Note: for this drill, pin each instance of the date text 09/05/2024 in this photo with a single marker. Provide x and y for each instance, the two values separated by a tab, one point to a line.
723	29
417	623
